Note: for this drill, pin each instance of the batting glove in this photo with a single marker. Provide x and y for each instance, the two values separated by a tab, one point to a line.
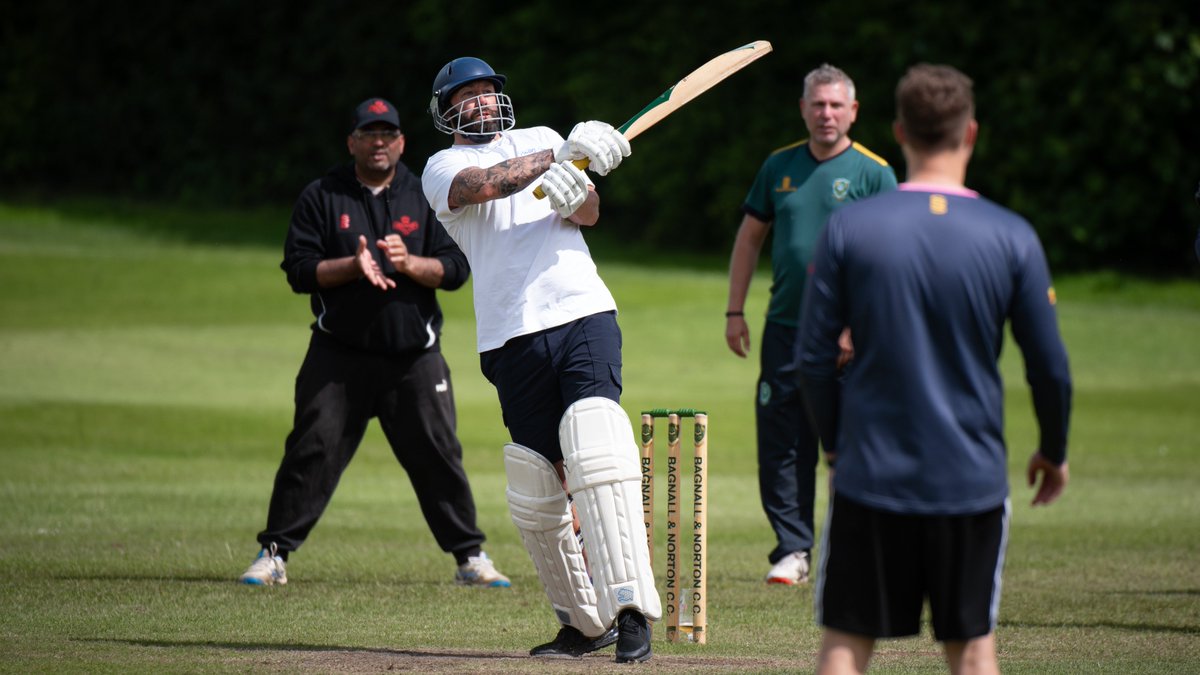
603	146
566	187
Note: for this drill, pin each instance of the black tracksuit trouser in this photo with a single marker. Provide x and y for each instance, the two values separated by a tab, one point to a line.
338	391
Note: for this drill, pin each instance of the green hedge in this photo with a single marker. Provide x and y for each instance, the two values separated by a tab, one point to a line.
1089	114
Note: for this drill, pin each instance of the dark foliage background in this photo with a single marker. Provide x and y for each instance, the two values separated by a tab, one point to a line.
1090	113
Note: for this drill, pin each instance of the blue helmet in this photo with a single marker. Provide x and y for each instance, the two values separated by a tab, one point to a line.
455	74
459	72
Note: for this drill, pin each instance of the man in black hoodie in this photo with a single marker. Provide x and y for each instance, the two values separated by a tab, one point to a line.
365	246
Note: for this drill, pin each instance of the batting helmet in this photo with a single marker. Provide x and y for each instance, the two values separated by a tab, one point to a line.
459	72
455	74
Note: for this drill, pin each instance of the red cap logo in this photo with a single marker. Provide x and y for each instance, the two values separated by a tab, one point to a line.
378	107
344	221
405	225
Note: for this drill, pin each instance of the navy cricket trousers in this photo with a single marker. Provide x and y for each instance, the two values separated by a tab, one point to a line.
538	376
787	445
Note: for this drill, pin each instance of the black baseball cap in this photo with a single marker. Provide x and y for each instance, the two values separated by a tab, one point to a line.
374	110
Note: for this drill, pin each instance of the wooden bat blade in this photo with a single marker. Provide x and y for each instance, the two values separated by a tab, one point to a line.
695	83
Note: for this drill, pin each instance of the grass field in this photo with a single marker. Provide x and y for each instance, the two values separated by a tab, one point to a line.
146	365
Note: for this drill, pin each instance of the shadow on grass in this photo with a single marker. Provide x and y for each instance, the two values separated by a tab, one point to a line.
1169	591
335	658
231	580
168	222
1115	625
292	647
266	226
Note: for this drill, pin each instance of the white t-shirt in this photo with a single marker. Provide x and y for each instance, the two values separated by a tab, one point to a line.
532	269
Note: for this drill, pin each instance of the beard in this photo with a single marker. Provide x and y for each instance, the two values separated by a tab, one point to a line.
487	130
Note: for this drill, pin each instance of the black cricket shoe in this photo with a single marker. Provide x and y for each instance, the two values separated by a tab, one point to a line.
633	637
571	644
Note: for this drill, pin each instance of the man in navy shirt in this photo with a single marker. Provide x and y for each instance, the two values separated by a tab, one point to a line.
925	277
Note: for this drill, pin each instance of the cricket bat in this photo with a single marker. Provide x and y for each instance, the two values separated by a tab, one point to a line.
692	85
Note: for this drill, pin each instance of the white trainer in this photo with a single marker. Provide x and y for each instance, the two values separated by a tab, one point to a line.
480	571
268	569
792	569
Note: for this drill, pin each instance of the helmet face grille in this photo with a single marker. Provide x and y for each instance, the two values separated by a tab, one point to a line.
483	115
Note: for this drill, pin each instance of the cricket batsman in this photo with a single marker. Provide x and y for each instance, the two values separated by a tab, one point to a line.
549	342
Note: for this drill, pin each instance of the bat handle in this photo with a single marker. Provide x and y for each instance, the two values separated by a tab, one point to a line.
581	163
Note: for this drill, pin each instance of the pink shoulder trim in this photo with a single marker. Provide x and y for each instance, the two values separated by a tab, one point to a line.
942	189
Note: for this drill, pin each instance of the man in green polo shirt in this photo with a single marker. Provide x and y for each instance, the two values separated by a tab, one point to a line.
796	189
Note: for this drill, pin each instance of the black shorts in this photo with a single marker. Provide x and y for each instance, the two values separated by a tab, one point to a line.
877	569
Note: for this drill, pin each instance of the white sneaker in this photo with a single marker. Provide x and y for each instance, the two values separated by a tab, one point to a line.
268	569
479	571
792	569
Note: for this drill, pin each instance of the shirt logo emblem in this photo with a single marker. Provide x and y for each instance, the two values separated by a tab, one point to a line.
405	225
344	222
442	387
764	393
786	185
841	189
938	205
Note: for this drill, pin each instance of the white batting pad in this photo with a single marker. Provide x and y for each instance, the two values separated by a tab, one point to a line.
605	479
540	511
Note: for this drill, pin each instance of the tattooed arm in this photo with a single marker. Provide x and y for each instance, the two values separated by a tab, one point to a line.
475	185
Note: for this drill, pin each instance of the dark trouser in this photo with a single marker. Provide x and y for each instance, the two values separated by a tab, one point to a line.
338	391
538	376
787	445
